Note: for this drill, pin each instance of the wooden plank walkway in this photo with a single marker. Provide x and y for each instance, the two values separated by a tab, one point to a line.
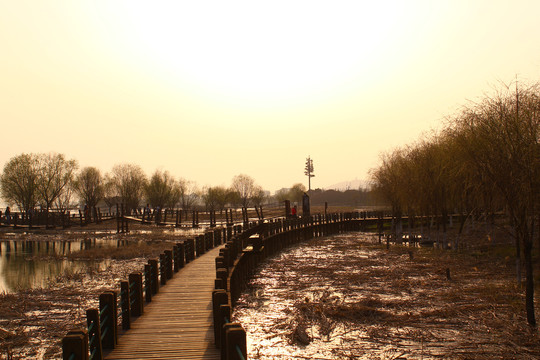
177	324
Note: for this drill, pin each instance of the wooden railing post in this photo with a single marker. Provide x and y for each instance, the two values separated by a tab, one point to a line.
235	342
94	334
136	294
125	305
220	262
219	297
191	247
169	264
229	233
181	254
200	245
224	312
108	319
75	345
175	257
223	274
208	240
148	282
154	283
162	269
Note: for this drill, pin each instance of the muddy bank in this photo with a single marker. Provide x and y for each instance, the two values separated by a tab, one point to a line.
347	297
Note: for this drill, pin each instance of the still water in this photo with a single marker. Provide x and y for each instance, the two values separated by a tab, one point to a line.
28	264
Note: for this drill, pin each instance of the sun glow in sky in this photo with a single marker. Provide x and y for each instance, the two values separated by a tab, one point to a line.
211	89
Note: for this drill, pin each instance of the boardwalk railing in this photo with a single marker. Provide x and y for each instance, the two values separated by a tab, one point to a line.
102	324
243	253
245	248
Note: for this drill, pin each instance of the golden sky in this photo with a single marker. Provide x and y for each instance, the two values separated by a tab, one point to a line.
211	89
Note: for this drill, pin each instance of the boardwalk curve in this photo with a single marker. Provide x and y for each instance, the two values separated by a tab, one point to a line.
177	324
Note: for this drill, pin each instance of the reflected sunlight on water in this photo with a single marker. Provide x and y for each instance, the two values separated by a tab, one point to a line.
31	264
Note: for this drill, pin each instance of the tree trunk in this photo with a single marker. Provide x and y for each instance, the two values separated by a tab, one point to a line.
529	288
47	217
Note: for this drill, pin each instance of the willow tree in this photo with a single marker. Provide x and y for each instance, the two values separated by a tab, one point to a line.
215	197
388	182
161	190
296	192
501	136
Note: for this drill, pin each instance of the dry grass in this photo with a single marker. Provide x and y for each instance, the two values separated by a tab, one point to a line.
353	298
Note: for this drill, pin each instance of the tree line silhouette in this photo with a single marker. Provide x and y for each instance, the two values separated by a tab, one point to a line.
486	160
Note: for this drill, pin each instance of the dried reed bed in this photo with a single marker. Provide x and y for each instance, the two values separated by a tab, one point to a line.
347	297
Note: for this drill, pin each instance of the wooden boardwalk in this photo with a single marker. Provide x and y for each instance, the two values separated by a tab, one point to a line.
177	324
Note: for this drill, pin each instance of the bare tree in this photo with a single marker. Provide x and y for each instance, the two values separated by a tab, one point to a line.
244	186
90	186
19	181
54	174
128	182
188	194
63	202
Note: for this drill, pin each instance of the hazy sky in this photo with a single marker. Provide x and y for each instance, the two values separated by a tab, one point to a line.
211	89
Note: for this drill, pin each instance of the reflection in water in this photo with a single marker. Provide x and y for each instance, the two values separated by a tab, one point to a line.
30	264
